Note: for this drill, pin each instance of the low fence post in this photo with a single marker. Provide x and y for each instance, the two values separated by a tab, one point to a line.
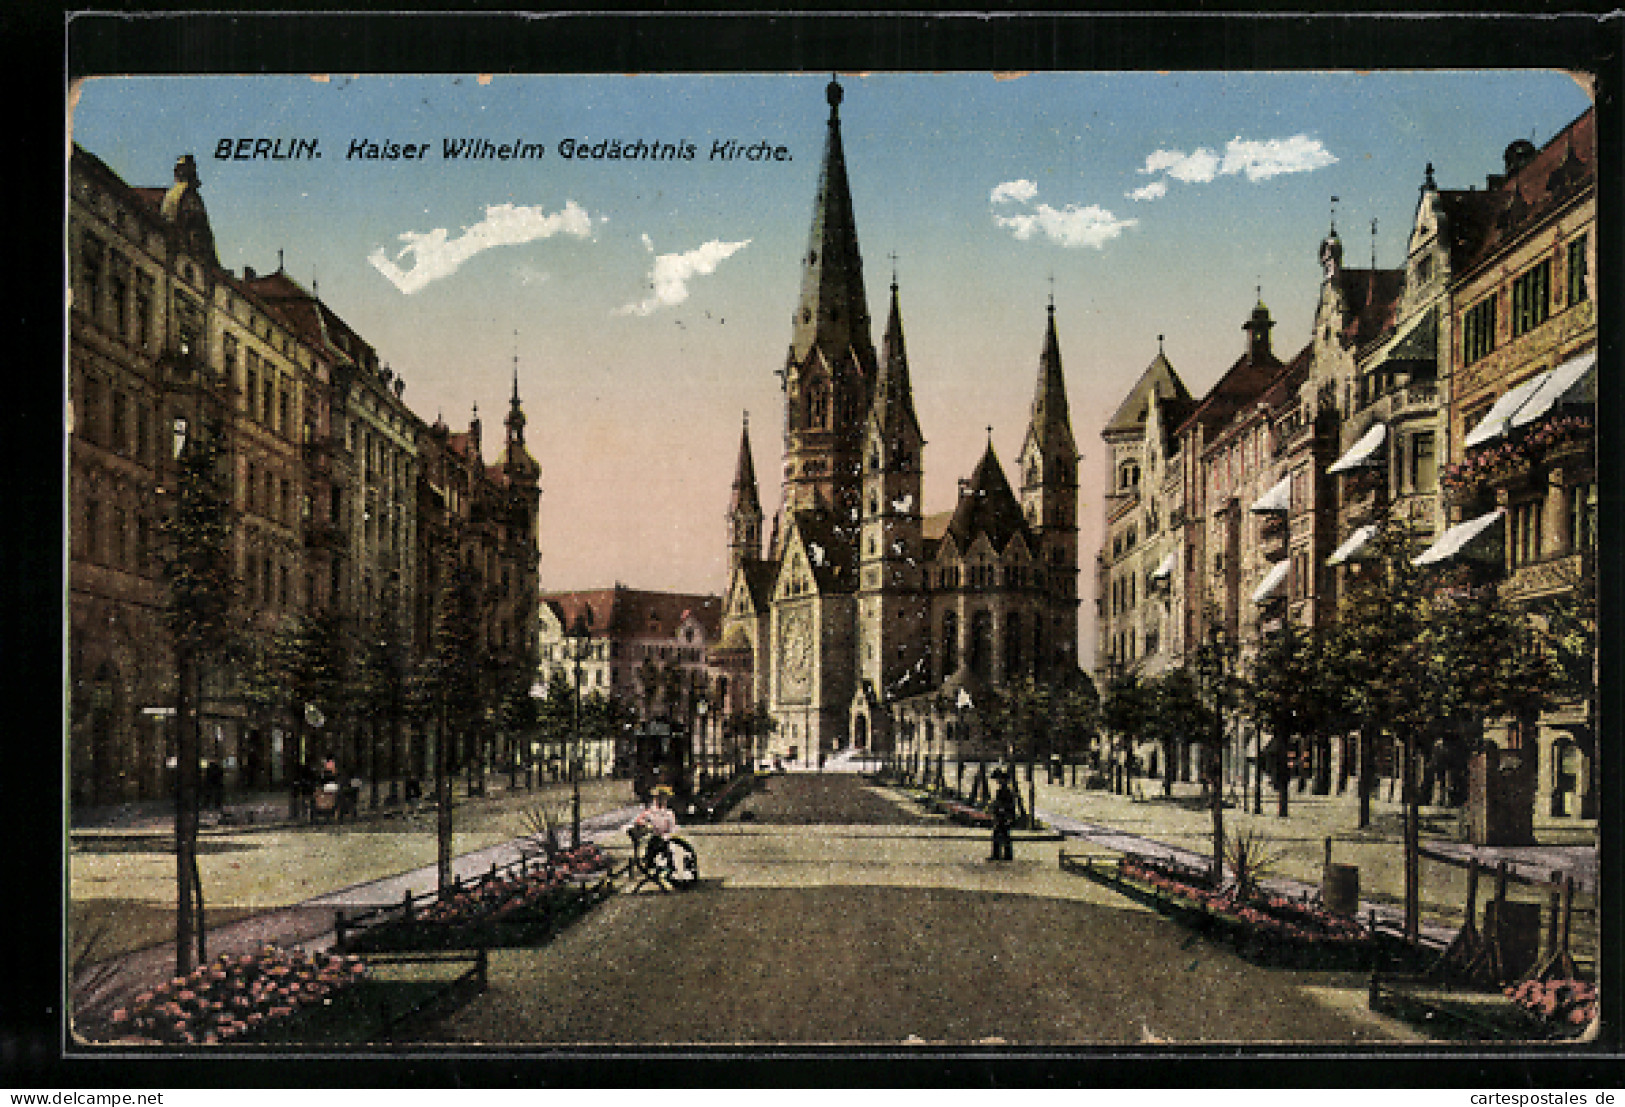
406	904
340	929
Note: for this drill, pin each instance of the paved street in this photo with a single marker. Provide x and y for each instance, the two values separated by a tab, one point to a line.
876	925
830	909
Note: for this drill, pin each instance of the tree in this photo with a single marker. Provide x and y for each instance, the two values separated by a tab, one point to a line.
380	685
446	689
1279	695
303	672
1176	718
555	715
1124	711
1217	692
197	570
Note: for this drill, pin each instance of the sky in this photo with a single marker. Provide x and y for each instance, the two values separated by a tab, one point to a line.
647	302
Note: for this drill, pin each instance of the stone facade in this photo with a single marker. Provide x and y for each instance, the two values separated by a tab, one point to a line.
333	484
863	608
1392	411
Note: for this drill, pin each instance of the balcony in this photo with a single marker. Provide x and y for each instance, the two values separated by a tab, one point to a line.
1273	531
319	451
1362	504
1547	577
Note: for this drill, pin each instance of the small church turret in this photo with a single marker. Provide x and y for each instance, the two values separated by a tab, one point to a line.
745	507
1049	497
891	608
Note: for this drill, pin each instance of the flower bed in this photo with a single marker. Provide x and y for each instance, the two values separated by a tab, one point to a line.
1564	1006
526	906
1265	927
963	813
236	998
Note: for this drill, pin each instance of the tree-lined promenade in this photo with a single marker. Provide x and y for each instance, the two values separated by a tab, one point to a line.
830	910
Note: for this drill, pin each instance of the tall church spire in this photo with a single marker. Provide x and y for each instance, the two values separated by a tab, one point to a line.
833	311
829	375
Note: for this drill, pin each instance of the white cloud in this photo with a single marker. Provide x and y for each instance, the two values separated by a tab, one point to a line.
1020	191
670	274
1069	226
1274	156
1156	190
436	254
1256	159
1197	167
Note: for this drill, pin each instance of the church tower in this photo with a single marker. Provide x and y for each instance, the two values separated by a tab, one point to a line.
744	509
1049	498
829	371
891	601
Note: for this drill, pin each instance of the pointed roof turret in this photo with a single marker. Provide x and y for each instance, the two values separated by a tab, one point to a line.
515	458
832	313
893	409
1052	417
987	506
744	488
1159	381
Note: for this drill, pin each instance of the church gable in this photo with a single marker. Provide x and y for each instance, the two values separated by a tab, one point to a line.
795	577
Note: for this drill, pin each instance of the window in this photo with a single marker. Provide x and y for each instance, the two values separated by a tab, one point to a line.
1532	298
1478	330
91	418
1424	470
1582	516
91	546
1525	533
121	535
121	417
1576	271
267	404
143	542
141	318
143	429
90	275
228	355
118	287
251	390
950	644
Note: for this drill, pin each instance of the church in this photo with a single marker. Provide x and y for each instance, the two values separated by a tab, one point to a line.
865	620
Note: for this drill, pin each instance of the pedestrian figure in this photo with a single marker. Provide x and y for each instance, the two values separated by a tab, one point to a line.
214	785
1004	817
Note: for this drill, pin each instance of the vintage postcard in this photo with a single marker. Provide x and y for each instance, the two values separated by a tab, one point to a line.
889	559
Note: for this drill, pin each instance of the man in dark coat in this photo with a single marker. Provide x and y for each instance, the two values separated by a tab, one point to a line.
1004	817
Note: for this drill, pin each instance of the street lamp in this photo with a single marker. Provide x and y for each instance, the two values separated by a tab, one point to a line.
700	708
580	635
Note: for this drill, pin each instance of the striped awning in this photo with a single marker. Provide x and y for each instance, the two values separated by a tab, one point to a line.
1574	380
1271	582
1278	498
1362	452
1354	544
1457	538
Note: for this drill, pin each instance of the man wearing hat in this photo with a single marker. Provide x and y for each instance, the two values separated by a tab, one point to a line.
1004	817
